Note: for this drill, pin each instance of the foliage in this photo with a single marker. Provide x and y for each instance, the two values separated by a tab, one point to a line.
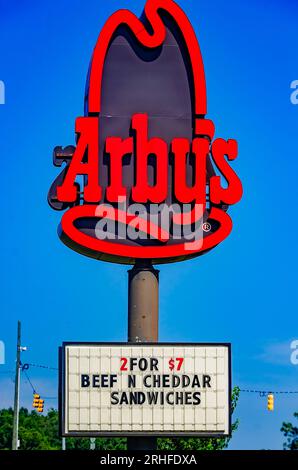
40	432
291	433
205	443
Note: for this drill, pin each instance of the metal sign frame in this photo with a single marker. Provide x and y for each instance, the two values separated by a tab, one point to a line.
62	394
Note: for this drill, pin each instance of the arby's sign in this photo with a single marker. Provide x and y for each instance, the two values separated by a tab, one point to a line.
146	179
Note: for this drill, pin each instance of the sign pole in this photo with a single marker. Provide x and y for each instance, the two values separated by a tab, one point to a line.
143	284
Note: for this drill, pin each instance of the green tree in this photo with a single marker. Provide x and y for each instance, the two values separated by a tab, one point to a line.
291	433
6	428
203	443
40	432
36	431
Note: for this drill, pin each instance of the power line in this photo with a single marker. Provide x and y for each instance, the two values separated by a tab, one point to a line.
269	391
39	366
42	366
33	388
29	381
27	365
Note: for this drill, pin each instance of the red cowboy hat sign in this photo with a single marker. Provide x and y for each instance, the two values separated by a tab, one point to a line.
146	179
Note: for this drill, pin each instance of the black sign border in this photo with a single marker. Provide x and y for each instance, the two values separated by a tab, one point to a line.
62	392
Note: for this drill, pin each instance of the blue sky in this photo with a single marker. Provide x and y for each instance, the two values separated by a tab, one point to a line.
244	291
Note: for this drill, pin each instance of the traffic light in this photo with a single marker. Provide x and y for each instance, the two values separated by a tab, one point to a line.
36	399
40	406
270	402
38	403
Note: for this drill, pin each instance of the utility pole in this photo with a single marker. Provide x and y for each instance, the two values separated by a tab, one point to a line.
143	283
92	443
15	436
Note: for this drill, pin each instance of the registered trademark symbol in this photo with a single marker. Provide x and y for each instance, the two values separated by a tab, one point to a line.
206	227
